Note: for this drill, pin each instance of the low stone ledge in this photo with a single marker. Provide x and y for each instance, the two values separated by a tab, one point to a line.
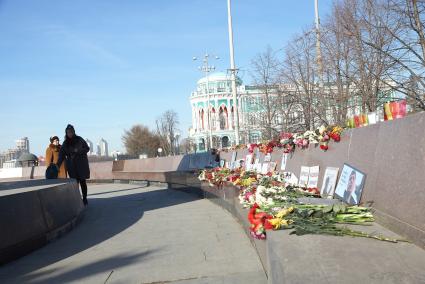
328	259
32	213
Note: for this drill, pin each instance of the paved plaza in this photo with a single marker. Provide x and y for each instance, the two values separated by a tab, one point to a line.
138	234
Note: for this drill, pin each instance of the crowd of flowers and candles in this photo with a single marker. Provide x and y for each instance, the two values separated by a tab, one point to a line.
276	204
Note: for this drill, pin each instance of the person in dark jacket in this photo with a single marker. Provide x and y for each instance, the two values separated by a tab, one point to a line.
74	152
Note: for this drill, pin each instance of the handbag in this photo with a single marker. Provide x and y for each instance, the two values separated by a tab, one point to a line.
52	172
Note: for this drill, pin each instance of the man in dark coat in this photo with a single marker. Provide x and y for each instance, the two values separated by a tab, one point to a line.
74	151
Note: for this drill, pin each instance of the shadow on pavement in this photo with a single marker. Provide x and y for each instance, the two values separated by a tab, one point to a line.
104	218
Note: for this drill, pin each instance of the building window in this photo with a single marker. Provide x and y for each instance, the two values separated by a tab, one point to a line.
212	119
225	142
254	138
202	144
223	118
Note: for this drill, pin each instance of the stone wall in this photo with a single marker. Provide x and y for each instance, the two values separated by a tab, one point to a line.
392	154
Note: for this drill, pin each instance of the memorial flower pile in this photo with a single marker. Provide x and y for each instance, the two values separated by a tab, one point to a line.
327	134
215	177
289	141
275	204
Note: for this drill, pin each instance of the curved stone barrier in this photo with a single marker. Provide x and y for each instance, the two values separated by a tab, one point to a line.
34	212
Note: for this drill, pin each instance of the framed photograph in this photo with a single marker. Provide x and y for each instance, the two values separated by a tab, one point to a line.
240	163
329	182
305	171
350	185
313	177
284	160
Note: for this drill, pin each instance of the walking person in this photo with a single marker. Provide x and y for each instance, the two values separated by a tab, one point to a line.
74	152
52	155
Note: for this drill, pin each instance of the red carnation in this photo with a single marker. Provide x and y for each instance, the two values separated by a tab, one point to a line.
324	147
267	225
336	137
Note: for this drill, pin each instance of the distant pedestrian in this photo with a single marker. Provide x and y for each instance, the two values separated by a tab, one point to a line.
52	155
74	151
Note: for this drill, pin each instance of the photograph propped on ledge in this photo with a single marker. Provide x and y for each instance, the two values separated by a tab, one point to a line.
350	185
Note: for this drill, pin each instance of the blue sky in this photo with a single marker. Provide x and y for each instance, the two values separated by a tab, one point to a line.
106	65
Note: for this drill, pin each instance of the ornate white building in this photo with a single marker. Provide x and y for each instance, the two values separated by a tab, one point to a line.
286	115
221	110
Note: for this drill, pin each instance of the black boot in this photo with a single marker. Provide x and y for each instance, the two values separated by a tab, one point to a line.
85	201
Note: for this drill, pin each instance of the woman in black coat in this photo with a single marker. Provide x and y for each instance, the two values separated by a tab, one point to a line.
74	151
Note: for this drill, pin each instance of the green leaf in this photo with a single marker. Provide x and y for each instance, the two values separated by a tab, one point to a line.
336	208
328	209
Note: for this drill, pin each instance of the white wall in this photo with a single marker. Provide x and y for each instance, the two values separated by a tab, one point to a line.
11	173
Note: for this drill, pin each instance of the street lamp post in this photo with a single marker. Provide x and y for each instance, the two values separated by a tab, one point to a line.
233	71
318	48
206	68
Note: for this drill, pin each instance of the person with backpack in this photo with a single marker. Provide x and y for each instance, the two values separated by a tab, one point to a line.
74	152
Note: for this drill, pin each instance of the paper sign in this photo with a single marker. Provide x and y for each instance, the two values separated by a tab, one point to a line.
329	182
284	160
258	167
268	157
233	156
305	171
248	167
264	168
248	161
313	177
272	167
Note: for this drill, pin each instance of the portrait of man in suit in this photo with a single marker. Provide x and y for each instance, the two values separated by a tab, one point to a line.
350	185
351	192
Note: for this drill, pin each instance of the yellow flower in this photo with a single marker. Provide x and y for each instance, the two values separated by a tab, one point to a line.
284	212
247	182
277	223
337	129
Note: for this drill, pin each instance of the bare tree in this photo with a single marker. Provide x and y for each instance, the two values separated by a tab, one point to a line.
299	70
140	140
264	74
404	22
338	59
167	128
